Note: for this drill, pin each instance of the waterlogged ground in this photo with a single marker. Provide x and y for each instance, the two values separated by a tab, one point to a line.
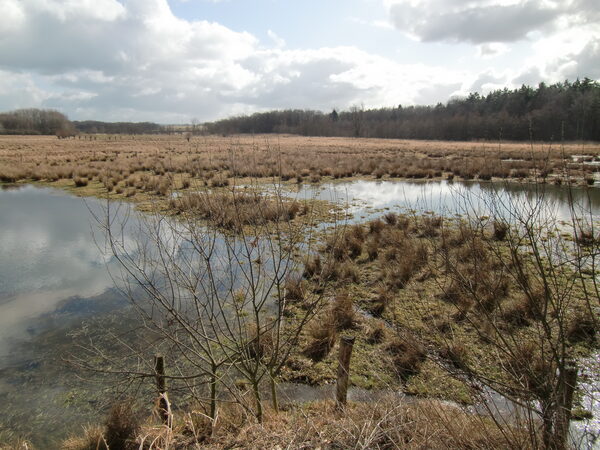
55	278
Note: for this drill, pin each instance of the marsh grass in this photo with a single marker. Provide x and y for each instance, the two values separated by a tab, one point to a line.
216	161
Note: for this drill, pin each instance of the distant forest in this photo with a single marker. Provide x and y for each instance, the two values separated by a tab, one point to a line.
567	110
94	126
34	121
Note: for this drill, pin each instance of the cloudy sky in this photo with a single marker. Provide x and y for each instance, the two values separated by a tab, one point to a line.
172	61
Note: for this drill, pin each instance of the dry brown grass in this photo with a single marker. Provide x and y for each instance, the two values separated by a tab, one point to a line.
233	211
384	424
215	160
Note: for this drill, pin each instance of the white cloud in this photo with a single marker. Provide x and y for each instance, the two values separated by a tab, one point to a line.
492	49
277	41
484	21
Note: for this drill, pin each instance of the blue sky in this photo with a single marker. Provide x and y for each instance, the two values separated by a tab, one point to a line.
172	61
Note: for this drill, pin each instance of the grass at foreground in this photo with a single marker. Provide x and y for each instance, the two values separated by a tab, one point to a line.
387	423
133	165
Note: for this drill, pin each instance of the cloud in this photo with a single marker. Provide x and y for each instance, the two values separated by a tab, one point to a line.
492	49
278	41
486	21
135	60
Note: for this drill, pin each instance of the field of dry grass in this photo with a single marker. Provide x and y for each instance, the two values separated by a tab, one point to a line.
127	165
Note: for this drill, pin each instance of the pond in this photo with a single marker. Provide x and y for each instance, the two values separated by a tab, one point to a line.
53	276
56	278
365	199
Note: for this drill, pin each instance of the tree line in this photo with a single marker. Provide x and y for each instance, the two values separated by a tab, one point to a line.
94	126
52	122
34	121
565	110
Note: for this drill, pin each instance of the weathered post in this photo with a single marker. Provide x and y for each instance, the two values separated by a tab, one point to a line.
341	391
161	384
565	405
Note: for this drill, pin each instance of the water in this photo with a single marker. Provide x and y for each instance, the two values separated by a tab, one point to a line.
54	278
364	200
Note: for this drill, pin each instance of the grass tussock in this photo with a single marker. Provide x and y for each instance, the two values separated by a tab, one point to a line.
120	432
233	211
407	356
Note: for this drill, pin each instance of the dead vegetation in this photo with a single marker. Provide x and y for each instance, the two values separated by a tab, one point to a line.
159	163
386	423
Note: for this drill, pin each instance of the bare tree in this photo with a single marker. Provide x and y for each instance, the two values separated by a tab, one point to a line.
217	301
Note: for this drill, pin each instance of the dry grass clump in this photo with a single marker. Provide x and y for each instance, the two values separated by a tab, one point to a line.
294	288
323	333
343	312
385	424
583	328
377	333
120	432
233	211
312	267
10	442
407	356
381	301
500	230
456	353
80	182
324	328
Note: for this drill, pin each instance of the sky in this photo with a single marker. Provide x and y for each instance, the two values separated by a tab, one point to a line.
177	61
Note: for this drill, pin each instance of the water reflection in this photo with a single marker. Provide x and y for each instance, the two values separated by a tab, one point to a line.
365	199
47	256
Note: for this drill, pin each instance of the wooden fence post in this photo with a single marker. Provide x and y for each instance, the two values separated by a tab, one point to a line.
161	384
341	391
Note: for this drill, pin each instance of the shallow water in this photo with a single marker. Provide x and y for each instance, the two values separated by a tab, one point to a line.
53	276
49	262
364	199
